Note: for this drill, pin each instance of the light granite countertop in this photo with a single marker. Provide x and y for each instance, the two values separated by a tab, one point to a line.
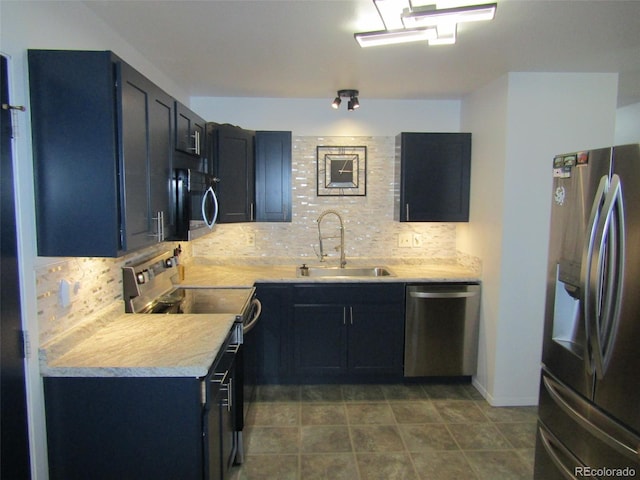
116	344
139	345
239	276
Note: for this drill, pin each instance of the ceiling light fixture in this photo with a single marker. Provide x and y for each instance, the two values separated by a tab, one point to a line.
391	12
392	37
438	27
429	16
351	94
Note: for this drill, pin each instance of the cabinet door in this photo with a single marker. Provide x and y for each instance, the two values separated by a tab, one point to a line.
376	339
75	136
434	177
146	141
269	338
234	167
160	156
189	131
319	340
273	176
139	227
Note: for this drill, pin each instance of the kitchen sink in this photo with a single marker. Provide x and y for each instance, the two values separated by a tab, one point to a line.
305	271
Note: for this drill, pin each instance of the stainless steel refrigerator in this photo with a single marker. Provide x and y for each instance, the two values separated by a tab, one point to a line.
589	411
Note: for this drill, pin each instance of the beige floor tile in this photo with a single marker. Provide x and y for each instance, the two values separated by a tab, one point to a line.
273	440
386	466
328	466
274	414
478	436
459	411
376	438
322	439
269	467
369	413
423	411
432	436
502	465
323	414
438	465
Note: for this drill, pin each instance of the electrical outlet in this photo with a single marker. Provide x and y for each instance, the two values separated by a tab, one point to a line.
250	239
405	239
417	240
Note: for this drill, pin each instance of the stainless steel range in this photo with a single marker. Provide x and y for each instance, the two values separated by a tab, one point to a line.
149	287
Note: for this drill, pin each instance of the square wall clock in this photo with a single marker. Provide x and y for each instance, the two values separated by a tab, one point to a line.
342	171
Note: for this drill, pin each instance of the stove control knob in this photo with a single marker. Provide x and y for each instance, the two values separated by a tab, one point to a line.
140	278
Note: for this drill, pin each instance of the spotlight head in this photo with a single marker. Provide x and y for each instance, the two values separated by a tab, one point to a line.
351	94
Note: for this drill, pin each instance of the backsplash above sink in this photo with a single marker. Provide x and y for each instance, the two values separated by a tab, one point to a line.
370	231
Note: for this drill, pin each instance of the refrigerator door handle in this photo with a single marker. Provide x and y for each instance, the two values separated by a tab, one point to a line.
596	423
607	276
587	293
554	448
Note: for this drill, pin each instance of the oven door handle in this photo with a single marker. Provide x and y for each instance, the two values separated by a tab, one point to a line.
256	315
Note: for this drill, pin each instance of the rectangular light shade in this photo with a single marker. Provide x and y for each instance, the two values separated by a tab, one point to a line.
430	18
391	12
384	37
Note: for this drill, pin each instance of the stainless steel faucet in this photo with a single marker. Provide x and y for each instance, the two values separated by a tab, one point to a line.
343	260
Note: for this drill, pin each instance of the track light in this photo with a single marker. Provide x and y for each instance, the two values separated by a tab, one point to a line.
352	95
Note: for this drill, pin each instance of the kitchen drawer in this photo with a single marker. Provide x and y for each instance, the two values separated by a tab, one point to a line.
349	293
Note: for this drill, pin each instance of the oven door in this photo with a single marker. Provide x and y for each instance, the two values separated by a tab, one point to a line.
196	203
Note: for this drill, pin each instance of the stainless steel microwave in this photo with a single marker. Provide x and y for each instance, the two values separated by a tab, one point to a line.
196	204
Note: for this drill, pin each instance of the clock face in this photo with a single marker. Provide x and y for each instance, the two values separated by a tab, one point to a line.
341	171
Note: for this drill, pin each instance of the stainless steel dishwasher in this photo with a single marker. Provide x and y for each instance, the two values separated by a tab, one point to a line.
441	329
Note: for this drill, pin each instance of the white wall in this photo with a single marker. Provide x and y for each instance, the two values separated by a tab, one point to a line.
50	25
628	124
546	113
315	117
485	114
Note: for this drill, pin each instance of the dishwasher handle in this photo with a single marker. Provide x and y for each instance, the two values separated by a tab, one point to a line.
443	294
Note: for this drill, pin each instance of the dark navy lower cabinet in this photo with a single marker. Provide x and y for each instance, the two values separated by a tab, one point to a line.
124	428
348	332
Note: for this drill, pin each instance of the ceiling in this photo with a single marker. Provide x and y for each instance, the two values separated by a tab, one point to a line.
306	49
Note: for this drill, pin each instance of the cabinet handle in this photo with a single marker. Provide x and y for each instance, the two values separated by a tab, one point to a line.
196	142
344	315
251	213
159	233
351	314
407	211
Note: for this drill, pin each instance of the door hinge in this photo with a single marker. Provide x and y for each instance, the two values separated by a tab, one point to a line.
26	344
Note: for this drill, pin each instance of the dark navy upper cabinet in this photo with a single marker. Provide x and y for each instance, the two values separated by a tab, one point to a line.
273	176
433	172
190	131
102	136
